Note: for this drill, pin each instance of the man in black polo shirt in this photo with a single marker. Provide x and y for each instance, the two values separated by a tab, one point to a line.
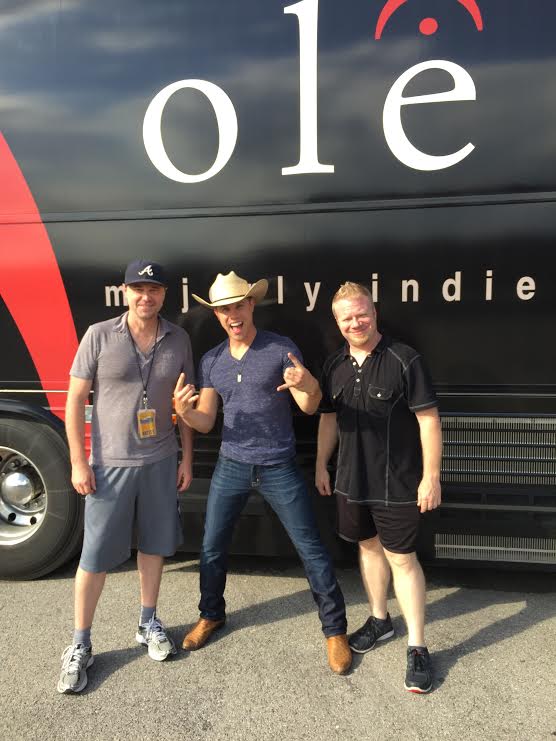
379	404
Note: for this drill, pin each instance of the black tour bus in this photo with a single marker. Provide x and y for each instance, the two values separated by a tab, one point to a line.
406	144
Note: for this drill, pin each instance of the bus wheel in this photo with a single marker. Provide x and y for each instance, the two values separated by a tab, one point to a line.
40	513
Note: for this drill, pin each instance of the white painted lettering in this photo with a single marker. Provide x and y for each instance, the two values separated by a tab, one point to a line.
401	147
406	285
280	286
488	286
451	288
227	129
307	12
374	287
525	288
312	295
115	296
185	296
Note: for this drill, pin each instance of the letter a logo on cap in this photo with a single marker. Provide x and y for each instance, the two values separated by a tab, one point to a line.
143	271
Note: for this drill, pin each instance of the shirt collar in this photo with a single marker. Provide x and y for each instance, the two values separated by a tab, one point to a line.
380	347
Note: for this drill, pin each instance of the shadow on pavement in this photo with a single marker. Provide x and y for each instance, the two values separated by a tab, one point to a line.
475	590
490	587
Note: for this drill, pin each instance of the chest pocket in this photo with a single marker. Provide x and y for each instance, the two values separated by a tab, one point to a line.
379	401
337	392
337	395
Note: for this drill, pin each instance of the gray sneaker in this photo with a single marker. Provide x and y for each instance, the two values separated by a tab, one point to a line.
76	659
154	636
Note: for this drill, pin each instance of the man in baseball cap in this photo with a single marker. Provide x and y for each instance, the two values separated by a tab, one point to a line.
251	371
131	363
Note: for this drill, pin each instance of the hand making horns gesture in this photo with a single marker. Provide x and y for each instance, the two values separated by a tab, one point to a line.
185	396
298	377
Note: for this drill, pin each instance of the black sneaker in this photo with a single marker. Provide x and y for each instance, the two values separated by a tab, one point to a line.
418	677
374	630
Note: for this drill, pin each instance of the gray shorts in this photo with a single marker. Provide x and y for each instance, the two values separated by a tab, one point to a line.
142	495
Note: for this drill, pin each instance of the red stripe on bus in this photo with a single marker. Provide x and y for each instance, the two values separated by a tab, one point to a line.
31	285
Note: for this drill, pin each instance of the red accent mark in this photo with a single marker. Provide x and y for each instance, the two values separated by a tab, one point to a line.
472	8
392	5
390	8
428	26
31	284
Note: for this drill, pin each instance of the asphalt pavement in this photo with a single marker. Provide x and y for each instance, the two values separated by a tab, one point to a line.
265	677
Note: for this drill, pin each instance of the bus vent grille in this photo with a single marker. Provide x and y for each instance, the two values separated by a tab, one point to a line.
499	450
495	548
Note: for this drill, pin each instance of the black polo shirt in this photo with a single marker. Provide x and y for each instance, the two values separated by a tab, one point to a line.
379	454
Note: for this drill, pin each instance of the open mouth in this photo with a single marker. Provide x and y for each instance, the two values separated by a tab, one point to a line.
236	327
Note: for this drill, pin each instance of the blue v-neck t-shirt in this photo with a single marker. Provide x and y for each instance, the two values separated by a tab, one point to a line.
258	425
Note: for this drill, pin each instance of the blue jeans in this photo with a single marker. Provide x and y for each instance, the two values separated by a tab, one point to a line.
284	489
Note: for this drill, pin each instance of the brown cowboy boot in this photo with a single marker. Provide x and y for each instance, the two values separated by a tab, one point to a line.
200	633
339	653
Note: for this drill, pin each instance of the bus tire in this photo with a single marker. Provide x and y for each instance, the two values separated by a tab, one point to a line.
40	513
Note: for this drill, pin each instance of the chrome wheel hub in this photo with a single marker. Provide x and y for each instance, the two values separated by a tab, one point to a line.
22	497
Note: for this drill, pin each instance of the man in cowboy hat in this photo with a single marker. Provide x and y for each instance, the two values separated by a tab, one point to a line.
250	371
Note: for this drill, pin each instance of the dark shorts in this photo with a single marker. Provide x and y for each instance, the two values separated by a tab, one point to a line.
145	496
396	525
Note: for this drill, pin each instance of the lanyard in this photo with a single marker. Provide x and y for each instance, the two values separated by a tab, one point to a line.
145	384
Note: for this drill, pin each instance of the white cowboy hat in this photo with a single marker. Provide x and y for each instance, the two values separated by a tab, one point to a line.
227	289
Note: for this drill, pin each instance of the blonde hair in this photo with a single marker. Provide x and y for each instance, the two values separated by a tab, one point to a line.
350	290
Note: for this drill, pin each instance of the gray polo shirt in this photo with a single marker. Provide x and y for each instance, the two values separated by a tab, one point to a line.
106	356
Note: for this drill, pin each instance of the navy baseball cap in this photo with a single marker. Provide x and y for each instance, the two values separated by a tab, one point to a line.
145	271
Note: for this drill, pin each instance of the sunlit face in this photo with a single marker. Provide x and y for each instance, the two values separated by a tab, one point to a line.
145	300
356	319
237	319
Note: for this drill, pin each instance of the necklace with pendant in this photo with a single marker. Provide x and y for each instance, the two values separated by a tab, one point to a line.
242	363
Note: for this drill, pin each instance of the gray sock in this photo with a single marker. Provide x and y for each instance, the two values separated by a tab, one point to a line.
146	614
83	636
